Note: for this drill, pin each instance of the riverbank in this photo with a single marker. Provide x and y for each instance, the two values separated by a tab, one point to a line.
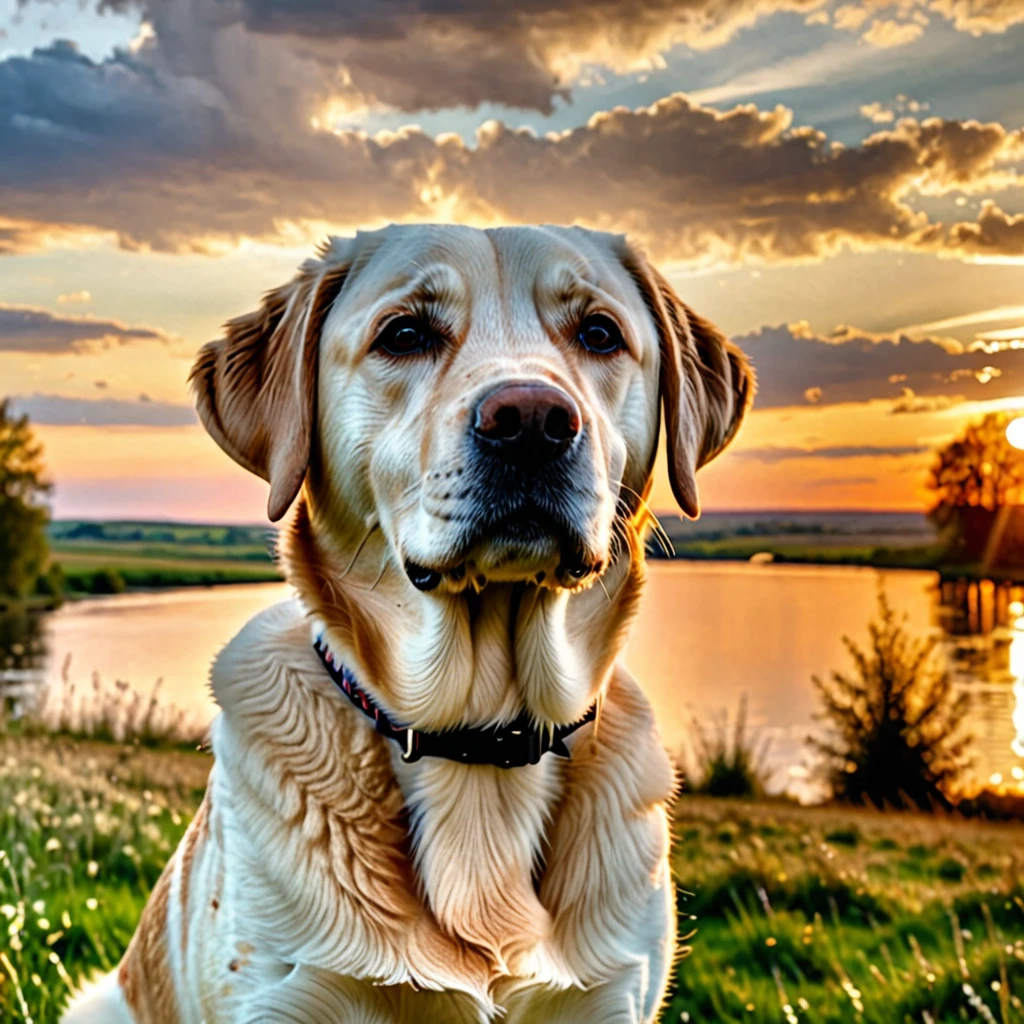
790	913
109	557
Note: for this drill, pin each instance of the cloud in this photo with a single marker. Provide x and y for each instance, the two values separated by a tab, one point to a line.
63	410
423	54
850	17
913	403
886	33
20	236
415	55
772	454
170	161
796	366
980	316
28	329
994	233
877	113
80	297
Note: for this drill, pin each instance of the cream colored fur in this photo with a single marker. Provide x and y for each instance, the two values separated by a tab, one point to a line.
324	879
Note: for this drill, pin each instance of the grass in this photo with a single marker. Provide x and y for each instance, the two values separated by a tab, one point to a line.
139	571
85	829
785	550
145	555
824	915
790	914
116	713
166	554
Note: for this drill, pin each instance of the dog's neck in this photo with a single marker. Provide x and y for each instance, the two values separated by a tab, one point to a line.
444	660
437	661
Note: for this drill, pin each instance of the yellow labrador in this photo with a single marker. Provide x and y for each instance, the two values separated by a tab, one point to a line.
436	796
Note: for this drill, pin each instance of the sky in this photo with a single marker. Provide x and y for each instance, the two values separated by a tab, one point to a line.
837	185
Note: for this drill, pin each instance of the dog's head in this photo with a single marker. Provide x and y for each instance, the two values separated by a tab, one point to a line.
489	399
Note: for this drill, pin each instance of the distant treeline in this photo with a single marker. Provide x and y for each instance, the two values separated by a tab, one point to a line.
118	531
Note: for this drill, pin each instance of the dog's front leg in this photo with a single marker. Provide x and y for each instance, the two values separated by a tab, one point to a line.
625	1000
307	995
607	885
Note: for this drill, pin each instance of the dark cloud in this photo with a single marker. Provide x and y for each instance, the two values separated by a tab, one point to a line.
995	233
429	54
62	410
27	329
137	148
796	366
783	454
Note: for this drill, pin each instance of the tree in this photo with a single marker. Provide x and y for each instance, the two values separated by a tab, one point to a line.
978	484
896	737
23	509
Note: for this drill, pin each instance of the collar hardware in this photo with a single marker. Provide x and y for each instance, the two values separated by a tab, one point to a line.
510	745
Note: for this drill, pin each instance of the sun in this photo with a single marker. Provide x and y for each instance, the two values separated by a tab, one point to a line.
1015	432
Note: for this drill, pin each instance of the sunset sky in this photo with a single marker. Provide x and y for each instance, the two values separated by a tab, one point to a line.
840	186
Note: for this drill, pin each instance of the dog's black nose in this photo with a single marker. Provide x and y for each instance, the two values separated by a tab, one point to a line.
527	422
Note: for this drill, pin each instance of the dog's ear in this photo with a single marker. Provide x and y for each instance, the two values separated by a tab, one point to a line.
707	384
255	389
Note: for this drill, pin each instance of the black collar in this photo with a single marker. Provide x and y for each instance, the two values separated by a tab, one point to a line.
513	745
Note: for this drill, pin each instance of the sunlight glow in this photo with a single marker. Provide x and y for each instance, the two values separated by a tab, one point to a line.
1015	432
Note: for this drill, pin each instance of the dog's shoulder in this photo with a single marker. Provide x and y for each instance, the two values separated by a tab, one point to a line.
275	642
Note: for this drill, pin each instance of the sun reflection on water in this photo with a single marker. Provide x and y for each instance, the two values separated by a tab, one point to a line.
1017	669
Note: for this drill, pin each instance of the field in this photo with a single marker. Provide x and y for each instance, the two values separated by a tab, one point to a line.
108	556
104	557
790	914
887	539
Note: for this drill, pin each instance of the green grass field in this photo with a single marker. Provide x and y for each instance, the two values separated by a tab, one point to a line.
145	555
790	914
155	554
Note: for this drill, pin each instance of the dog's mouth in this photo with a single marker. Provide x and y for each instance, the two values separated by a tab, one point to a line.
528	544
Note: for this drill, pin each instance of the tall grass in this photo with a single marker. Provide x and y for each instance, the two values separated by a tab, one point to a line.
115	713
727	761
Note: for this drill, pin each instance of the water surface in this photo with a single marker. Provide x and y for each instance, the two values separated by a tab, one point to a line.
707	634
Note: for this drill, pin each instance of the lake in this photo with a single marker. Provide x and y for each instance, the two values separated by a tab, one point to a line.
709	635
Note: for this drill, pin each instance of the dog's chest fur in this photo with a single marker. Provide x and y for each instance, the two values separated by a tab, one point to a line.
434	876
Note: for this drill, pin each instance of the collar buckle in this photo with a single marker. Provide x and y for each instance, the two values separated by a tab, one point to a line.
411	752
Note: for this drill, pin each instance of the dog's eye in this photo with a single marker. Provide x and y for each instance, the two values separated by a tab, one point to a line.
600	334
404	336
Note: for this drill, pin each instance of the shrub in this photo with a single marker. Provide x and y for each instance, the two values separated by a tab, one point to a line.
52	582
896	736
724	768
845	836
107	581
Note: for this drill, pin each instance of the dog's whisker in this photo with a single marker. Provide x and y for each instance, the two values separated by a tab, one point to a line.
359	549
380	575
659	531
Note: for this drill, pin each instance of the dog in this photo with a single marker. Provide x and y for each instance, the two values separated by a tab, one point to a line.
437	797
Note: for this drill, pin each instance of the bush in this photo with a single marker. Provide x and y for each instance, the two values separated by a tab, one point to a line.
107	581
52	582
896	736
724	768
